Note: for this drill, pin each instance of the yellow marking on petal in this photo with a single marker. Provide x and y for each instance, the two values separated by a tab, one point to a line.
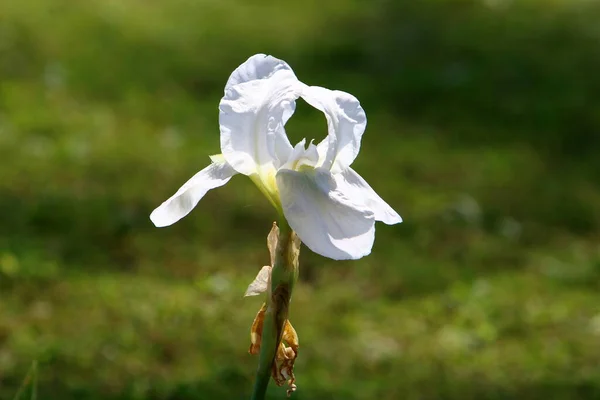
217	158
267	184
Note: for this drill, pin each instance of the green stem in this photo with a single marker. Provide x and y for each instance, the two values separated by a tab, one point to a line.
283	278
265	360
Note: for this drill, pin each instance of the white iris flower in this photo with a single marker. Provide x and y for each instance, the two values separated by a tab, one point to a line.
331	207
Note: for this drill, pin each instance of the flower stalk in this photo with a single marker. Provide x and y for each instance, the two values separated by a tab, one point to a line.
276	309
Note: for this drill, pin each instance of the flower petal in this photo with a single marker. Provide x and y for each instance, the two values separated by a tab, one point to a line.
181	203
259	66
355	187
301	156
327	221
346	121
259	99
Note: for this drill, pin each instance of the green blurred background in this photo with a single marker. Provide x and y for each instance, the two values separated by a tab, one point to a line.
484	133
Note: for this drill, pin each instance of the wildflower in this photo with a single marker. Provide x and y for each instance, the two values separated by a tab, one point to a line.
329	205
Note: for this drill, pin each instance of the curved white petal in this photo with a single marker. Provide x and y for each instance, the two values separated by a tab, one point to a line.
259	99
355	187
326	220
181	203
346	122
258	66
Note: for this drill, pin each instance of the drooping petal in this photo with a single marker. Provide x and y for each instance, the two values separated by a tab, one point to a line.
259	99
327	221
181	203
355	187
346	122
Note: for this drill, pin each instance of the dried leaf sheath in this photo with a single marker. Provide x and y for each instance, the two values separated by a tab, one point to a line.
283	366
256	330
278	298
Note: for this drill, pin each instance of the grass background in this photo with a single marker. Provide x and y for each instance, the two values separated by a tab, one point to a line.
484	121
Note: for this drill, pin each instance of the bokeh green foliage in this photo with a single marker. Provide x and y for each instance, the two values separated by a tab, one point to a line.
484	121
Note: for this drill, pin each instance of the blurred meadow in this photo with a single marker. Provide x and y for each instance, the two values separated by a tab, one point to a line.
483	133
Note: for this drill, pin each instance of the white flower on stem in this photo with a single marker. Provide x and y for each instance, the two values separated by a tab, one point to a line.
331	207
